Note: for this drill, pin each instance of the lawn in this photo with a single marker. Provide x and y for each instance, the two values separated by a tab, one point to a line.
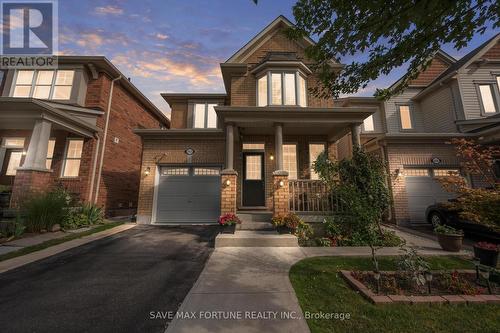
319	288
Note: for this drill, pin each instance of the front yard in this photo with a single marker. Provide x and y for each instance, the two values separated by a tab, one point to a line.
320	288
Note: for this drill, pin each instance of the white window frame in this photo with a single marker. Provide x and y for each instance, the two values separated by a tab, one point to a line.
50	158
33	83
268	75
369	122
410	113
205	119
495	96
4	142
14	151
71	158
296	160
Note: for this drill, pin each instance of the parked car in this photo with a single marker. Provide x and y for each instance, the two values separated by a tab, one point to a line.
440	214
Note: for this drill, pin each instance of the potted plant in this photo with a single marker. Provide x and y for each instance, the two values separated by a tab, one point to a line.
450	239
228	222
487	253
279	223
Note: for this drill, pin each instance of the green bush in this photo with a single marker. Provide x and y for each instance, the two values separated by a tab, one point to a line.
86	215
42	211
94	213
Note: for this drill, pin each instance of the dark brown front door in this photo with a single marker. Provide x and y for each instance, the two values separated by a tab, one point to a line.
253	180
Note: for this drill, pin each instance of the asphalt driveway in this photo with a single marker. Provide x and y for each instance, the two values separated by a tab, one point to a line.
110	285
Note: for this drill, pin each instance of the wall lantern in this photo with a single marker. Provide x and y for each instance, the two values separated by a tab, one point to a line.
227	182
147	171
281	183
24	153
398	173
271	157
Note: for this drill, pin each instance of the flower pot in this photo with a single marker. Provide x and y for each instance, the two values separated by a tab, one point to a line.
228	229
284	229
451	243
486	257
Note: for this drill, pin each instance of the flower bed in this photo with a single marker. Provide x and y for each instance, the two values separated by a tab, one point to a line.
458	286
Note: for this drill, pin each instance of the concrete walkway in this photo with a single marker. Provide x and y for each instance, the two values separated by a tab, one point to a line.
247	282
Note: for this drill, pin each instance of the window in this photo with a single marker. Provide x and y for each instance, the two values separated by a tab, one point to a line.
405	117
314	150
253	146
290	160
253	167
74	148
488	102
283	88
204	115
14	163
207	171
174	171
416	172
13	142
446	172
368	124
44	84
50	153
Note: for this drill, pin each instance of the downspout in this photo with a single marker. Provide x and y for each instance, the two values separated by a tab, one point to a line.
106	125
94	166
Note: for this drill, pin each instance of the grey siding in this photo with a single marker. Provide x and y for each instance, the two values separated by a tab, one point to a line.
438	111
467	79
391	111
378	126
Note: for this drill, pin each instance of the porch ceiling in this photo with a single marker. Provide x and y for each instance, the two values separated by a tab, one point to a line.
22	113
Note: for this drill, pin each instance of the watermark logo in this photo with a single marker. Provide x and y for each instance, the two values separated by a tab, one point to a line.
29	33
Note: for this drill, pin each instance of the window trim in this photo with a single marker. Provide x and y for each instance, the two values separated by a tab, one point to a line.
373	124
495	95
52	85
268	75
296	158
65	157
325	146
412	117
205	121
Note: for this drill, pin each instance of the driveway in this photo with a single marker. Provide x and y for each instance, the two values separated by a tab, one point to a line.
112	284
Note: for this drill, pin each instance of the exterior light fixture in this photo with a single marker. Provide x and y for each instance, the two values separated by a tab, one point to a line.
147	171
377	276
24	153
271	157
227	182
281	183
398	173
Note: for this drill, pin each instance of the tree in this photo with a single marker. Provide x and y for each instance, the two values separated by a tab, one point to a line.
387	33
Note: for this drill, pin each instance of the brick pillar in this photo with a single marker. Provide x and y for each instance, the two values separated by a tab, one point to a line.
28	182
228	191
280	193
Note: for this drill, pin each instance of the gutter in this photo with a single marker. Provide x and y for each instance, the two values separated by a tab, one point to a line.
108	112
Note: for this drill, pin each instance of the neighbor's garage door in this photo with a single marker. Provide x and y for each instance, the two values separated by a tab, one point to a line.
423	190
188	195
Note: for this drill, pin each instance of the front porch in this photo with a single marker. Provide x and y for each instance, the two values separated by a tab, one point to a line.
270	153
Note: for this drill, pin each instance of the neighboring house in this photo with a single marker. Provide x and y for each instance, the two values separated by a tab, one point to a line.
72	127
449	99
250	148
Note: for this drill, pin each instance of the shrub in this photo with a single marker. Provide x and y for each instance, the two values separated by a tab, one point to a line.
447	230
75	220
229	219
412	266
278	220
93	213
44	210
303	232
323	241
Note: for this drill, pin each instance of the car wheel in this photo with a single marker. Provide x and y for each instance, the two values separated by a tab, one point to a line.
436	219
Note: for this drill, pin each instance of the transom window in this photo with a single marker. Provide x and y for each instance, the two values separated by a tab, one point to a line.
13	143
487	93
253	146
281	88
73	157
416	172
446	172
290	160
204	115
314	150
44	84
405	117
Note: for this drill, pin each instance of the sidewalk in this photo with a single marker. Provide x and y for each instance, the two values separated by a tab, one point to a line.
238	279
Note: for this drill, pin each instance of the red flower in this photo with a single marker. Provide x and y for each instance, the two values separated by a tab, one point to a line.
229	219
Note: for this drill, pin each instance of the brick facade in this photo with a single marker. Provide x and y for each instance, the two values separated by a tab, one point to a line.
281	203
228	192
28	182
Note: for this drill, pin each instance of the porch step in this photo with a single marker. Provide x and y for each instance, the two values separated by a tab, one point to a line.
263	226
254	216
247	238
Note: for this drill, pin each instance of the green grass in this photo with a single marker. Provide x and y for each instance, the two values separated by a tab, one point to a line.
319	287
52	242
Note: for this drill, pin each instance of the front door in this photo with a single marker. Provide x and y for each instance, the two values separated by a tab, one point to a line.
253	180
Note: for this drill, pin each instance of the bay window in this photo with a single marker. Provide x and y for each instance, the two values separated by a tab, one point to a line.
204	115
281	88
43	84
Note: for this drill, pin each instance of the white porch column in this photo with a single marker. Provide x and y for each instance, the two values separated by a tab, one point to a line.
355	134
278	145
229	146
36	156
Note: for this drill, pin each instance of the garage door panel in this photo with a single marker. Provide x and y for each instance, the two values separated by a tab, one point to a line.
190	198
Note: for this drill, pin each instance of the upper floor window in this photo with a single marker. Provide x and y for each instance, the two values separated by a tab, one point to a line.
281	88
44	84
405	117
487	94
368	125
204	115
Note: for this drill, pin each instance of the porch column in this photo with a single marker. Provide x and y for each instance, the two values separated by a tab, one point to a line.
36	156
355	135
278	145
229	146
33	176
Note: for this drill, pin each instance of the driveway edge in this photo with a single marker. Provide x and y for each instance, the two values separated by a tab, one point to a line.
16	262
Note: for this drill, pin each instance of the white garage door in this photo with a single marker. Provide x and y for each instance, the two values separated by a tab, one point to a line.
188	194
423	190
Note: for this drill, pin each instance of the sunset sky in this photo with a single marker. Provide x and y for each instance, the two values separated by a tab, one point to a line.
176	46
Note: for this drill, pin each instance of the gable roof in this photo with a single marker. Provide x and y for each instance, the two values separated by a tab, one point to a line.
254	42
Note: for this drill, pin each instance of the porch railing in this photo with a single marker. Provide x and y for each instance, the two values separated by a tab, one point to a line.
312	196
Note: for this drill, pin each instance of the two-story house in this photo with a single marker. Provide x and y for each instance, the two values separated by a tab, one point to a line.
411	131
250	148
71	127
